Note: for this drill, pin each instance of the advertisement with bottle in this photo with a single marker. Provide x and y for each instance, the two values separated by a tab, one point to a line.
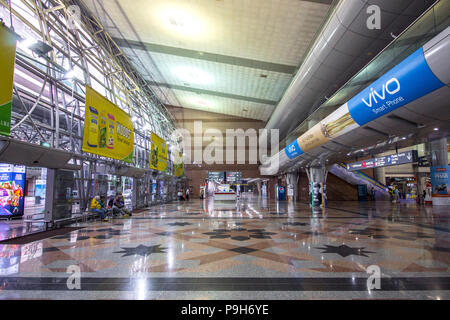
108	130
12	185
178	164
158	156
7	59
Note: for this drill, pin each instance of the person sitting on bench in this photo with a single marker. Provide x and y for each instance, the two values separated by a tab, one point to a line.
119	204
96	207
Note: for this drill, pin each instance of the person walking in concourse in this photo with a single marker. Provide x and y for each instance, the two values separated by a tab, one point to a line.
96	207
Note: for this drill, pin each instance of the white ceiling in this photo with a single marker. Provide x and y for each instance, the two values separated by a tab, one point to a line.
234	42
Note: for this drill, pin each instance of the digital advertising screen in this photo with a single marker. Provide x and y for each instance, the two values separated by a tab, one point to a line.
12	185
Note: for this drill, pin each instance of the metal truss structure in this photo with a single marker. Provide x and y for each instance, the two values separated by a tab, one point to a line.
49	87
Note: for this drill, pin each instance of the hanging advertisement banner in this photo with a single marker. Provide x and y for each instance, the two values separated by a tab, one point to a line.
440	181
178	164
313	138
158	156
7	59
396	88
293	150
108	130
12	185
338	123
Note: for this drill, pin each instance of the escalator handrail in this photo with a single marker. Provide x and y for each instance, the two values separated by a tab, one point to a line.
366	177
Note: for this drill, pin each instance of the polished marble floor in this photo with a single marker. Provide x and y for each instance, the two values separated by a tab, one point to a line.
253	249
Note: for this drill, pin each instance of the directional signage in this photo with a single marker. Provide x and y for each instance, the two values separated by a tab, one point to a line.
391	160
234	177
218	176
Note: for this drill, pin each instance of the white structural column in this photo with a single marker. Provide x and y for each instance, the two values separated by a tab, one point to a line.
440	172
317	177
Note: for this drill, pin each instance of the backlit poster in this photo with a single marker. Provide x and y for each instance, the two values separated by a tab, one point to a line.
12	184
440	181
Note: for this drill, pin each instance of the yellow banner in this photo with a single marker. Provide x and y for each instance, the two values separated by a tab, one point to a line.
7	59
158	156
178	166
108	130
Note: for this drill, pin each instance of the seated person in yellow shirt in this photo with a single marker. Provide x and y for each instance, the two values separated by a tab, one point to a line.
96	207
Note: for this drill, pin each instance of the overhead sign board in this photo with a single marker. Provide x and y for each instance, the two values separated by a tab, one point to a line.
216	176
234	177
391	160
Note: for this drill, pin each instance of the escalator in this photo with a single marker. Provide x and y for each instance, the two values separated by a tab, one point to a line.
359	178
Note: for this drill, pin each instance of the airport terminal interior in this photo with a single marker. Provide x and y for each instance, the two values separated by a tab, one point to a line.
224	150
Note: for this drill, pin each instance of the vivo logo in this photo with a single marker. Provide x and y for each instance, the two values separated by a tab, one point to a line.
291	148
391	86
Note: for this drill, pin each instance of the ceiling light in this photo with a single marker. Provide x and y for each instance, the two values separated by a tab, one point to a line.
192	75
69	74
26	43
436	129
182	21
200	102
38	47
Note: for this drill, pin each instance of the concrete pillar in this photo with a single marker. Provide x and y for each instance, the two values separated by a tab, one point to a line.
259	187
440	172
292	186
317	177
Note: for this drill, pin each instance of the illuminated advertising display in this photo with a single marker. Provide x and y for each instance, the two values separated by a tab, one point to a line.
12	185
440	180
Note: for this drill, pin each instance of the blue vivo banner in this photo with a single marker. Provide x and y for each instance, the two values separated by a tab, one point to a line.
406	82
293	150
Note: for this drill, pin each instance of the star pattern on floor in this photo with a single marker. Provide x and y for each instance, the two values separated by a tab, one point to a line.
142	250
344	250
179	224
295	224
240	234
